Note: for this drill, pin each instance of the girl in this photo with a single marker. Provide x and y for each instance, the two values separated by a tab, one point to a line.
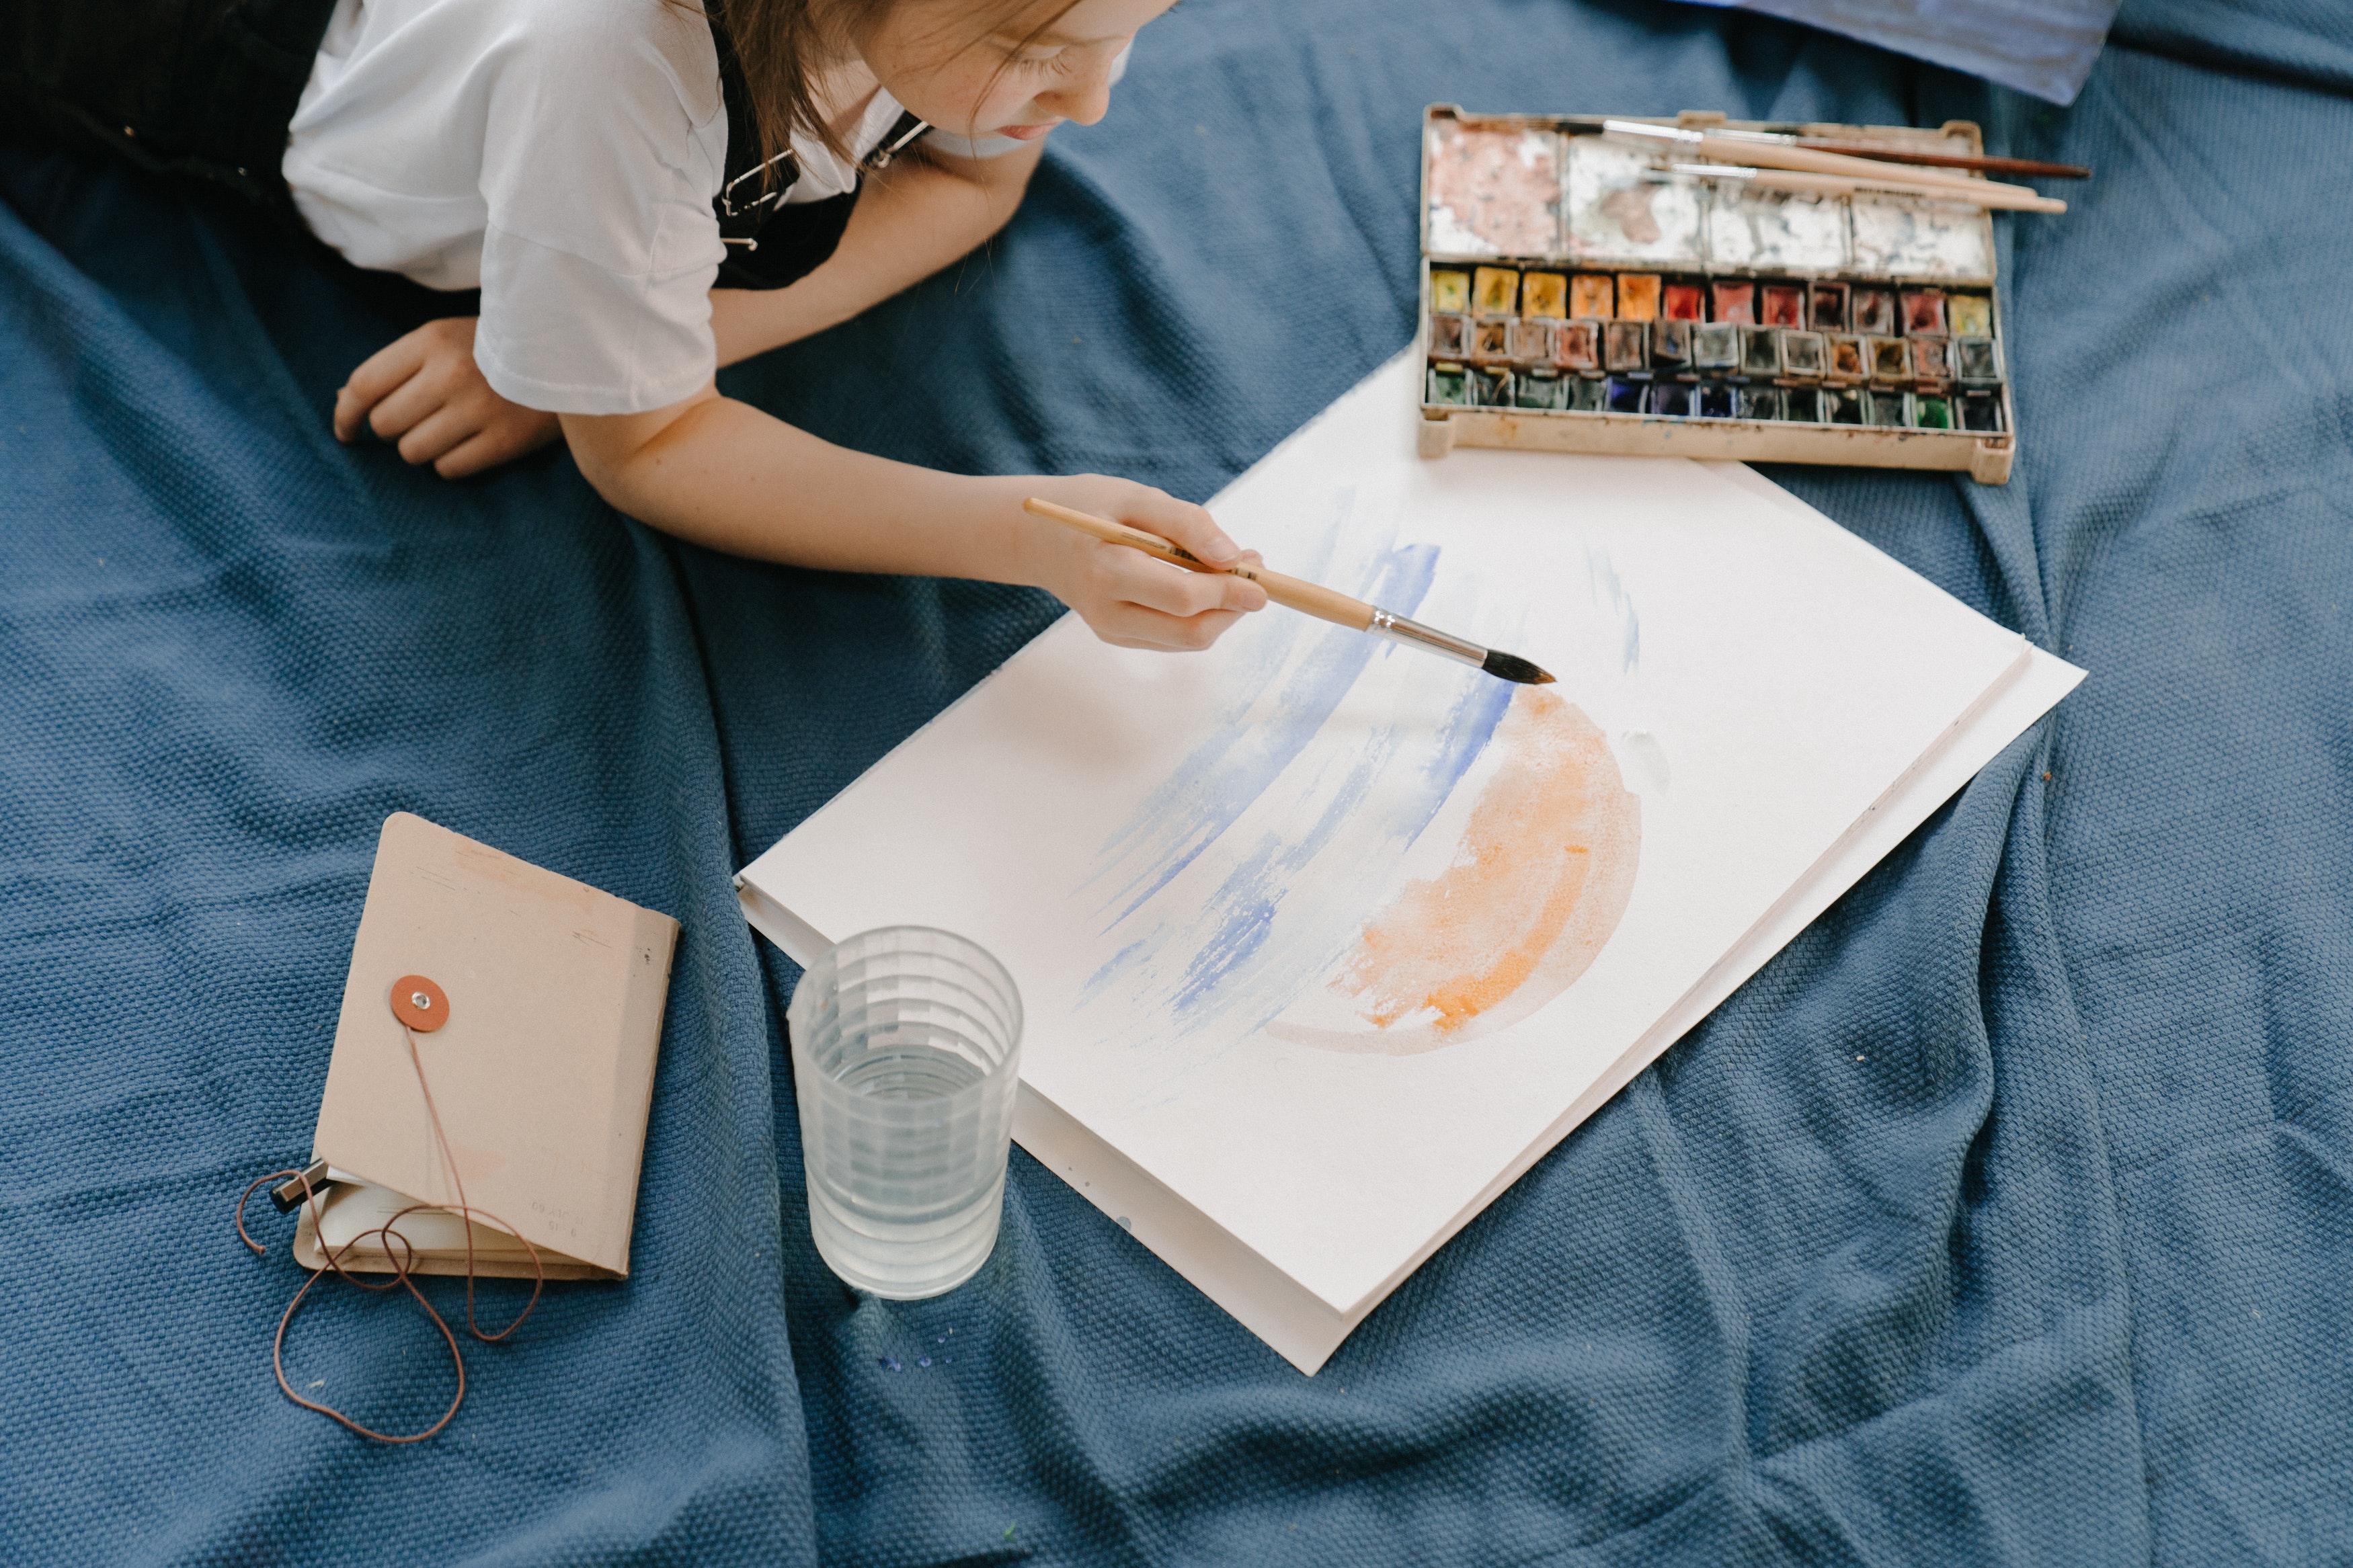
643	193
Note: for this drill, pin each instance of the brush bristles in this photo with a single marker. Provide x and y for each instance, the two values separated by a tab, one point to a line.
1511	667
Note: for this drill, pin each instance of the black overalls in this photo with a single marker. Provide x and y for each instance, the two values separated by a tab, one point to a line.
206	88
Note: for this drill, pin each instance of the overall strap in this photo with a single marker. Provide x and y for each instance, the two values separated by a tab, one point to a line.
770	242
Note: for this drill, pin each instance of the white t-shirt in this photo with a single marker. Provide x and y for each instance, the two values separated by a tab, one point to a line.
562	157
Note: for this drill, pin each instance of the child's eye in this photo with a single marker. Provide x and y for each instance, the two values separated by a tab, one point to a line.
1049	60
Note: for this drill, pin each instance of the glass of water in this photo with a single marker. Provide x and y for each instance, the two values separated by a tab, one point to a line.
906	1046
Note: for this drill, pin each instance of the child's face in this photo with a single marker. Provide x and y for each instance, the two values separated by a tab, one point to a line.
1003	82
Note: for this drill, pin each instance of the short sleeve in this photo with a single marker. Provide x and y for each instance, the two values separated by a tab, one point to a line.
603	145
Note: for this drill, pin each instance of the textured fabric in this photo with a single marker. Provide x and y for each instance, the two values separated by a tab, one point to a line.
2043	47
2002	1218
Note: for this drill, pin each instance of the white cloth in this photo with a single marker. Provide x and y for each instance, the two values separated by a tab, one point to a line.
559	154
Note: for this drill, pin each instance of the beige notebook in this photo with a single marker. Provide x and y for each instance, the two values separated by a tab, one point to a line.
542	1072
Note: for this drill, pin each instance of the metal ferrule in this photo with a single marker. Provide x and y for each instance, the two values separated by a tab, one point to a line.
1397	629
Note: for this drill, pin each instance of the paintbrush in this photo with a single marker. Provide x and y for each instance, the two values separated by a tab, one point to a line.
1298	594
1990	196
1936	182
1982	163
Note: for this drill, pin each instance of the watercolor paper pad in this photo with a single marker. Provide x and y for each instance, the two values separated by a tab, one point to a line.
1217	877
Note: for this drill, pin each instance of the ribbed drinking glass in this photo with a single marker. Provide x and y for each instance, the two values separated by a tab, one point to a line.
906	1046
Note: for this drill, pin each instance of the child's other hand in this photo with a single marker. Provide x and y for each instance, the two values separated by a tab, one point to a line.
1129	598
425	393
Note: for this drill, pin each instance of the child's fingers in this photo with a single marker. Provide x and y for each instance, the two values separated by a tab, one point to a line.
483	449
439	432
1188	525
1133	577
409	405
377	376
1134	626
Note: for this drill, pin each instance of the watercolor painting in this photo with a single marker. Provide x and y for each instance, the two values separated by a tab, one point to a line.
1394	886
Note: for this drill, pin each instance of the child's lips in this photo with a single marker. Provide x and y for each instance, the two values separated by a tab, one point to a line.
1027	132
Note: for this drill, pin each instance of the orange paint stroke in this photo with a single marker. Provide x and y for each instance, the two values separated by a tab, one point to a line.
1544	871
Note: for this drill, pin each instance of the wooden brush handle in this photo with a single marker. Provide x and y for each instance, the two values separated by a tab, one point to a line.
1293	593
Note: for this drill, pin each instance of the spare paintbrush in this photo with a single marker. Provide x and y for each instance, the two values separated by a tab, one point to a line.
1298	594
1881	152
1937	183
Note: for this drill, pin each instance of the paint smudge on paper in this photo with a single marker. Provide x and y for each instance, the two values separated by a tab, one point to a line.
1601	581
1542	874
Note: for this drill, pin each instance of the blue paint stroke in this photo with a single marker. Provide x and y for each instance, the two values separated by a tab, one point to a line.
1212	787
1240	913
1235	960
1601	576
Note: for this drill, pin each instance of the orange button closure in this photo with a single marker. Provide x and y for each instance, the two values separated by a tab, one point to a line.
420	1004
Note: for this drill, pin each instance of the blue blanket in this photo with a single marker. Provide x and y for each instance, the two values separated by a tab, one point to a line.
2003	1217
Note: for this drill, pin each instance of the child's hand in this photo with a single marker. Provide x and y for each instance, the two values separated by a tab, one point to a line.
1129	598
425	392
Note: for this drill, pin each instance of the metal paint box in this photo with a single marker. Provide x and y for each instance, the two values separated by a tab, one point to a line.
1865	267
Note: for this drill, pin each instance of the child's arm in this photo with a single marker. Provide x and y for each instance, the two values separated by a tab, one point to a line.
911	219
724	474
424	391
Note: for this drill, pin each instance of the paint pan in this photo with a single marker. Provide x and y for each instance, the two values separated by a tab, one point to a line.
1735	302
1542	389
1532	341
1887	408
1448	385
1843	404
1827	307
1491	339
1802	355
1628	396
1545	294
1850	360
1671	344
1969	315
1872	312
1490	387
1592	294
1450	290
1578	346
1715	346
1638	296
1891	359
1449	336
1932	358
1784	305
1625	346
1760	351
1675	399
1981	411
1590	394
1805	404
1715	400
1494	291
1683	302
1932	411
1493	190
1924	311
1760	403
1976	360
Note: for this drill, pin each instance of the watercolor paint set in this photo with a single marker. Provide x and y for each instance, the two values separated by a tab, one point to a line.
1582	295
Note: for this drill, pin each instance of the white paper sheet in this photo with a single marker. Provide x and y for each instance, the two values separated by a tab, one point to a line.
1220	880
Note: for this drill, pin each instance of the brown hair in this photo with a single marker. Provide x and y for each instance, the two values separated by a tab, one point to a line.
783	45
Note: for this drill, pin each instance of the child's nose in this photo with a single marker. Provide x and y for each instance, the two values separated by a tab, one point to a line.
1083	101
